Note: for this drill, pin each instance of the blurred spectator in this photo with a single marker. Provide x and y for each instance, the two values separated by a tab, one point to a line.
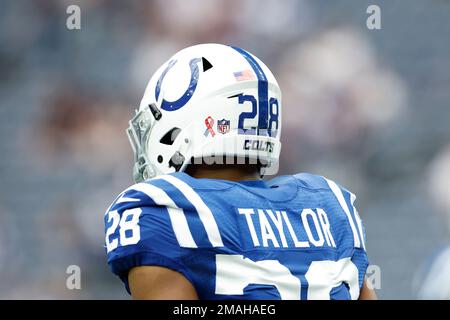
335	82
439	185
433	280
337	95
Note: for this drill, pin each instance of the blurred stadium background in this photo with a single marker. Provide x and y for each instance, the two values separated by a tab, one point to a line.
369	108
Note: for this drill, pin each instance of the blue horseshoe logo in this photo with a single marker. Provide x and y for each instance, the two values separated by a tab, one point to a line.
187	95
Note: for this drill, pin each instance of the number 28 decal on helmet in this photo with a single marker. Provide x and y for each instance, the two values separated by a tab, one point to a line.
220	83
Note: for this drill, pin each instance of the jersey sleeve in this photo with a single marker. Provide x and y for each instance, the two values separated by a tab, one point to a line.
139	232
355	230
352	232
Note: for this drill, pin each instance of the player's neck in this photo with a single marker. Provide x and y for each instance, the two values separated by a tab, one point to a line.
225	173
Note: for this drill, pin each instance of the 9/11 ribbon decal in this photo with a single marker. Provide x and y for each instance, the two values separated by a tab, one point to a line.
209	122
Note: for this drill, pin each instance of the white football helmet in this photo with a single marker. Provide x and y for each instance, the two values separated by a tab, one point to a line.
208	101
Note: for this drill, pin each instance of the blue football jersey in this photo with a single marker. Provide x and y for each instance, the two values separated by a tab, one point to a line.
293	237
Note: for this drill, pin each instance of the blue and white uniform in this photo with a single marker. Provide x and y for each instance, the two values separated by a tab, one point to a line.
293	237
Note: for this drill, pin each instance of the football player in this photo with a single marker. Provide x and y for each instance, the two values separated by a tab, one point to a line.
200	223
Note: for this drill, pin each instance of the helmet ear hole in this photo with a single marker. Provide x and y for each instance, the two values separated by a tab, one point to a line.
160	159
170	136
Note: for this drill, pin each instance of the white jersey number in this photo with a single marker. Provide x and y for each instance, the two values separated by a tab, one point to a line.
234	273
129	232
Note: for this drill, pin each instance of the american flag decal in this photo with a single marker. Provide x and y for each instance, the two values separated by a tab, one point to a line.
244	75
